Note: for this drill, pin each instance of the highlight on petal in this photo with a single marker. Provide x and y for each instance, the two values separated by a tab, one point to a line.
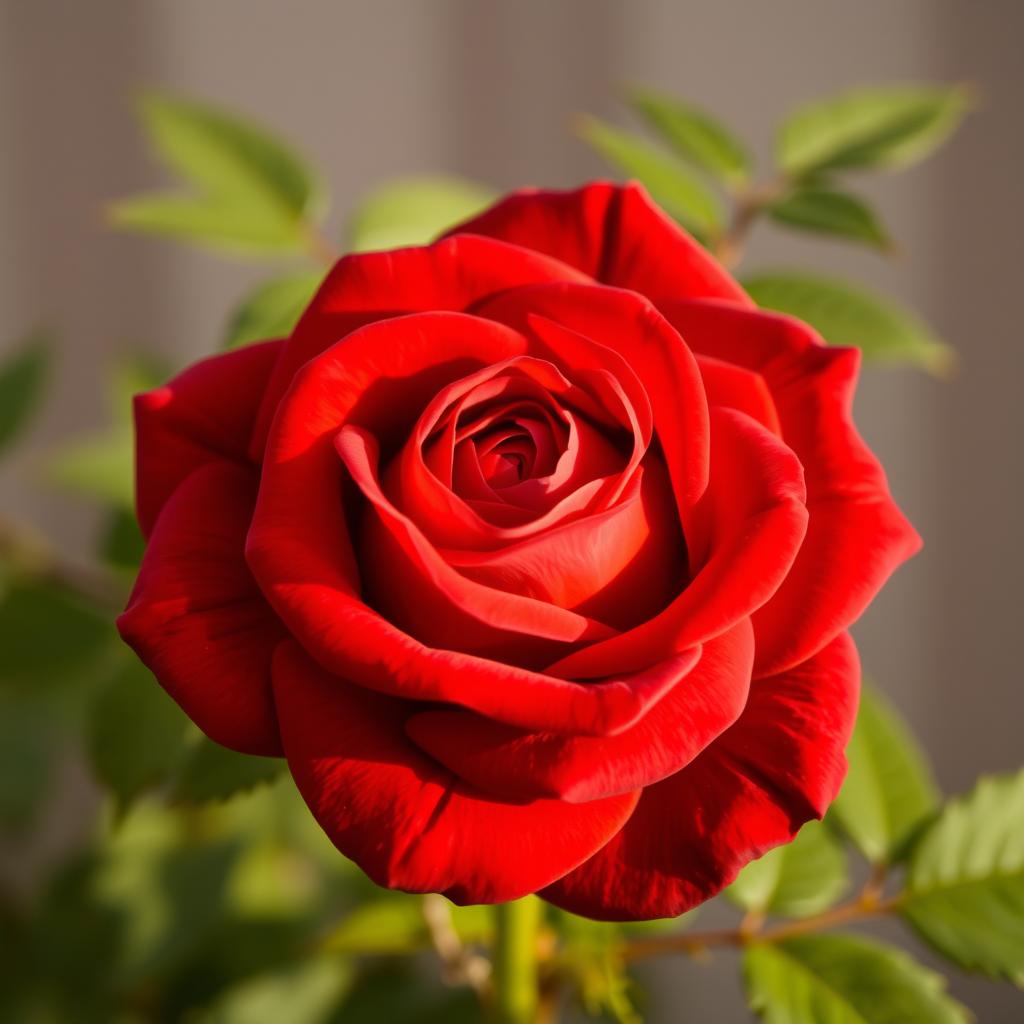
753	788
406	820
633	331
196	617
744	536
406	578
857	536
614	233
205	414
515	764
362	288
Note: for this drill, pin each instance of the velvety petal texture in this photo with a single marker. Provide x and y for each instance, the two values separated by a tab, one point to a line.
533	551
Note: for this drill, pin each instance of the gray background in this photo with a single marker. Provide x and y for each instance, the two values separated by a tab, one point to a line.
375	89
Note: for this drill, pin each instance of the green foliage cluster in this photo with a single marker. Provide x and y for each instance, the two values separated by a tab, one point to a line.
695	164
204	892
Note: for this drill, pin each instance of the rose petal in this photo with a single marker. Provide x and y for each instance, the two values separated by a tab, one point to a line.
450	275
407	580
744	537
779	766
205	414
635	332
299	550
735	387
857	536
619	566
517	765
196	617
614	233
405	820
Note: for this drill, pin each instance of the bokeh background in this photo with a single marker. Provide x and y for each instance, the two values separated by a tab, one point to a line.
375	89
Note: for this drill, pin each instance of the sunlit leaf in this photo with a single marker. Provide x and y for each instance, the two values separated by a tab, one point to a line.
389	924
100	467
875	127
307	992
250	190
888	792
272	310
844	979
801	878
965	882
671	183
414	211
22	378
829	212
695	135
850	315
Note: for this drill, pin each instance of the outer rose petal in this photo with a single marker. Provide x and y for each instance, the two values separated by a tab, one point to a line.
734	387
780	765
857	536
406	821
450	275
614	233
517	765
196	616
204	414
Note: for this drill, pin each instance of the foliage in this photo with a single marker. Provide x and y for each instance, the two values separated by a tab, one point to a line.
205	892
693	155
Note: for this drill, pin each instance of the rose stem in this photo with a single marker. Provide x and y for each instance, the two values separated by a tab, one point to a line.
514	977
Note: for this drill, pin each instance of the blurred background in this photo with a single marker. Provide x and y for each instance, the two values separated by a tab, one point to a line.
374	90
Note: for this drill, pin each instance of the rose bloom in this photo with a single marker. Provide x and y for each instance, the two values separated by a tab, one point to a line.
533	551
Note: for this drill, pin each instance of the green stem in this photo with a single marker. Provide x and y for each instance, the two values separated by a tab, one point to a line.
515	987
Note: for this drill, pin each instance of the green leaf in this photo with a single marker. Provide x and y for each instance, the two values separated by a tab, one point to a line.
804	877
33	617
672	184
965	883
121	543
22	377
888	792
304	993
843	979
872	128
212	772
829	212
136	732
100	467
414	211
694	135
252	192
273	309
843	314
391	924
27	744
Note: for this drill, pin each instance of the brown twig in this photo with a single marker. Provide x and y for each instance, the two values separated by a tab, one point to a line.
750	204
320	247
868	903
461	966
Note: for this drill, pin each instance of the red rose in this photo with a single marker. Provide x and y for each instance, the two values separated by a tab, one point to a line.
533	552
